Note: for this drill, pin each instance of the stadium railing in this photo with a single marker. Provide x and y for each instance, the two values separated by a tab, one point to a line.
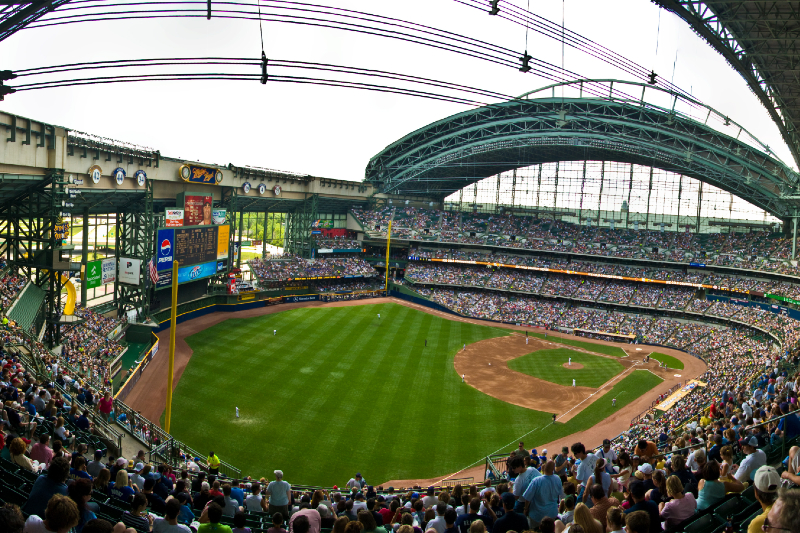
656	402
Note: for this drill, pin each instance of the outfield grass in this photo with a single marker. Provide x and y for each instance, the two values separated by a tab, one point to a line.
339	391
549	366
604	349
672	362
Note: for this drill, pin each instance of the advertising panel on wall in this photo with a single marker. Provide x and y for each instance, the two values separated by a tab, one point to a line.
164	279
164	249
193	273
223	236
218	216
129	270
322	224
109	270
174	218
94	274
197	210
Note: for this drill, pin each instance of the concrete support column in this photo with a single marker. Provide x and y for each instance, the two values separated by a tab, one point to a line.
794	238
239	257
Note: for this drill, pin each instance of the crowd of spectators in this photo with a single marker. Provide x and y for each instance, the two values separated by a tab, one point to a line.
297	267
756	250
338	243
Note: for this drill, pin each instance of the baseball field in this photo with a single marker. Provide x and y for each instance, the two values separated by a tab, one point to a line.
338	390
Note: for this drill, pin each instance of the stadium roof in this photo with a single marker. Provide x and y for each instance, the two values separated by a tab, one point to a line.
449	154
759	39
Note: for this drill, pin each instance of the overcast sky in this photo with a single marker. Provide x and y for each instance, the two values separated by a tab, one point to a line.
333	132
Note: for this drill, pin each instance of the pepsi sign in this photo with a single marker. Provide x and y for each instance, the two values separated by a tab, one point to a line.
165	249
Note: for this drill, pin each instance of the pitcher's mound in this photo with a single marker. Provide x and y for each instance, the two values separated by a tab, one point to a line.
573	366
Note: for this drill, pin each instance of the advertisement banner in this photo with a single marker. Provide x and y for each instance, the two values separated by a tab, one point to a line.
322	224
220	266
193	273
165	249
197	210
94	274
164	279
109	270
218	216
673	398
174	218
129	270
223	237
293	299
62	230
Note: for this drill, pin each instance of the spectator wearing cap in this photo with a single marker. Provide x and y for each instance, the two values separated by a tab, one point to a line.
562	461
755	459
542	495
766	482
430	500
646	470
95	465
137	478
357	482
510	521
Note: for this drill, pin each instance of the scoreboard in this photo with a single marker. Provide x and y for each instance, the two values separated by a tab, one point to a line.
196	245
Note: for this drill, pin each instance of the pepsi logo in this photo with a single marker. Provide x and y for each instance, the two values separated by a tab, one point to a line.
166	248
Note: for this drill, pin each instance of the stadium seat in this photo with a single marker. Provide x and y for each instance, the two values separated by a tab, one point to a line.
706	523
10	495
749	493
111	511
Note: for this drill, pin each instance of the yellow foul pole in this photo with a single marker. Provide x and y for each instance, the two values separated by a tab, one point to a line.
388	244
173	324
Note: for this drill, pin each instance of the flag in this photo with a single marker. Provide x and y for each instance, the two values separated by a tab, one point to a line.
151	266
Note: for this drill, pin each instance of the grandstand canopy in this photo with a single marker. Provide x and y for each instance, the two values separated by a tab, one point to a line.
759	40
449	154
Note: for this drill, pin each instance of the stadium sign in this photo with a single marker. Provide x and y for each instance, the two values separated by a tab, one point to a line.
109	270
129	270
322	224
94	274
165	246
174	218
294	299
164	279
200	174
196	272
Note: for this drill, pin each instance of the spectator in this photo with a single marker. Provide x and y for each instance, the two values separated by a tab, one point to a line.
209	520
255	502
637	492
601	503
755	459
239	523
767	482
154	501
60	516
584	519
464	521
311	516
46	486
586	468
231	505
122	489
711	490
102	482
277	524
300	524
510	521
366	518
41	452
18	457
639	522
96	465
785	512
542	495
11	519
680	507
340	525
279	493
169	524
80	491
615	520
430	500
137	517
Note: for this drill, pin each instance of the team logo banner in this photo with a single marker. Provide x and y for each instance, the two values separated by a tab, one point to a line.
165	249
198	174
193	273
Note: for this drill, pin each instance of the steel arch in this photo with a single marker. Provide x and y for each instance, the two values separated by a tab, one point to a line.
448	154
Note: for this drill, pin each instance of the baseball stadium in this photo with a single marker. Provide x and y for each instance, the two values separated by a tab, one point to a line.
574	309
